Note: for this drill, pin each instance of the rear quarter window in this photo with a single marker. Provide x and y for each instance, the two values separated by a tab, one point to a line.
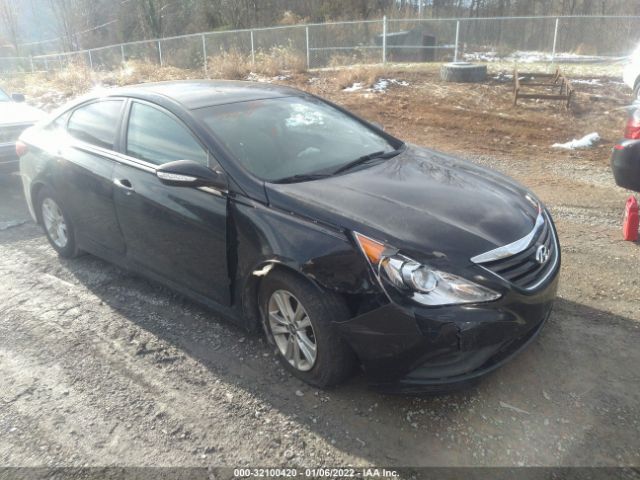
96	123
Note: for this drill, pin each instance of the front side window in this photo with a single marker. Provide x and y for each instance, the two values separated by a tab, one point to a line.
157	137
96	123
285	137
4	97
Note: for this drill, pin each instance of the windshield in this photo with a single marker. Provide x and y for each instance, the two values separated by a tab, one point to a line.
4	97
285	137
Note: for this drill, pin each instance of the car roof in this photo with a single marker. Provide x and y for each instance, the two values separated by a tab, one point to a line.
193	94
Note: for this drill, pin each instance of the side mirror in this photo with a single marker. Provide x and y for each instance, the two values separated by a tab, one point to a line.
18	97
187	173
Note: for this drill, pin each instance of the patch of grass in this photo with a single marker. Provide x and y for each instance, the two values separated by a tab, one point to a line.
229	65
280	59
367	75
275	61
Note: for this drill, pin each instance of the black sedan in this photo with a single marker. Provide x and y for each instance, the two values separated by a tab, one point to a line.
286	213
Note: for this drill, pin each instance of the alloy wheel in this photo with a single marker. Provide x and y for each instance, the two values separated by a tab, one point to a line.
54	223
292	330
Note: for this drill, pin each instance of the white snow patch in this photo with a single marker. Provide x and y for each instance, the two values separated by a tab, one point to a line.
255	77
506	77
380	86
591	81
535	56
584	142
354	88
383	83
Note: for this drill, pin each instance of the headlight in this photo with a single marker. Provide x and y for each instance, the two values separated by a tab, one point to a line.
420	282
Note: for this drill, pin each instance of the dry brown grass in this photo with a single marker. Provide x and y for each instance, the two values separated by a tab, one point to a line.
230	65
77	78
135	71
280	59
53	88
367	75
73	80
275	61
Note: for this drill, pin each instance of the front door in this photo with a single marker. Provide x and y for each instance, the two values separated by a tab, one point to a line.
178	233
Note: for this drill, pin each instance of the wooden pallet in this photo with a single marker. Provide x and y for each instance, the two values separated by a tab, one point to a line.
556	80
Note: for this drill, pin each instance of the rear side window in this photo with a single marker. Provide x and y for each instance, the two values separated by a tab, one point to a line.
157	137
96	123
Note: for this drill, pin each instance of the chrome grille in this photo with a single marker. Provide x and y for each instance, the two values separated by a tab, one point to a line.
10	134
522	268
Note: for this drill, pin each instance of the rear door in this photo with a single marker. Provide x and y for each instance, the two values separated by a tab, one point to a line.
178	233
85	160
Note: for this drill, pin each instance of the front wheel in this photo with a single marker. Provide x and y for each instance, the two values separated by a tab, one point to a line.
57	224
298	319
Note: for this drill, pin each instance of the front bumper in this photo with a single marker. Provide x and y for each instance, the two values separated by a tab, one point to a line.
625	164
421	350
8	158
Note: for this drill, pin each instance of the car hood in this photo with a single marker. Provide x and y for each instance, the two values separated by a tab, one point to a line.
426	203
17	113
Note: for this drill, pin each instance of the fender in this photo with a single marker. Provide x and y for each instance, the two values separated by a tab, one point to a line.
262	238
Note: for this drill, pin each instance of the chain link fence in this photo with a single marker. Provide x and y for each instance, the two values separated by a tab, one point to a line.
529	39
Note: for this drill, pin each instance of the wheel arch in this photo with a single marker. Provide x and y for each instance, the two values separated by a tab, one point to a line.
251	289
35	190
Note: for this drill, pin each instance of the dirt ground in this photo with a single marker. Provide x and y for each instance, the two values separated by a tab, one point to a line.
100	367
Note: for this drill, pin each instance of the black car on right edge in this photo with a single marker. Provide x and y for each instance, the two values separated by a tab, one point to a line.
285	212
625	158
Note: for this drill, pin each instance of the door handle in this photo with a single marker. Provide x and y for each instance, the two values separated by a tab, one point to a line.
124	184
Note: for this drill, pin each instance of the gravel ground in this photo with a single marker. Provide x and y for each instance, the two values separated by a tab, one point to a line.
100	367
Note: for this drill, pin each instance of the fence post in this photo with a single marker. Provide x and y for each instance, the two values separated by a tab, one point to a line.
90	60
122	52
204	54
306	31
384	40
555	40
455	51
253	52
160	54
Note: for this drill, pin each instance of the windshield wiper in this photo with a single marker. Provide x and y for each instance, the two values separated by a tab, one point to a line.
366	158
303	177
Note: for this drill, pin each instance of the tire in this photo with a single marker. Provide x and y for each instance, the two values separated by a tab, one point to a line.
48	203
334	361
463	72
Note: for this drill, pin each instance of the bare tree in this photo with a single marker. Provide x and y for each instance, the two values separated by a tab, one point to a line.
9	22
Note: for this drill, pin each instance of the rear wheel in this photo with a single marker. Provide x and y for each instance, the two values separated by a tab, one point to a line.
57	224
299	320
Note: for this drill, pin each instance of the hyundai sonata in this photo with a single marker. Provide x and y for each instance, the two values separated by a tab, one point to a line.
286	213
